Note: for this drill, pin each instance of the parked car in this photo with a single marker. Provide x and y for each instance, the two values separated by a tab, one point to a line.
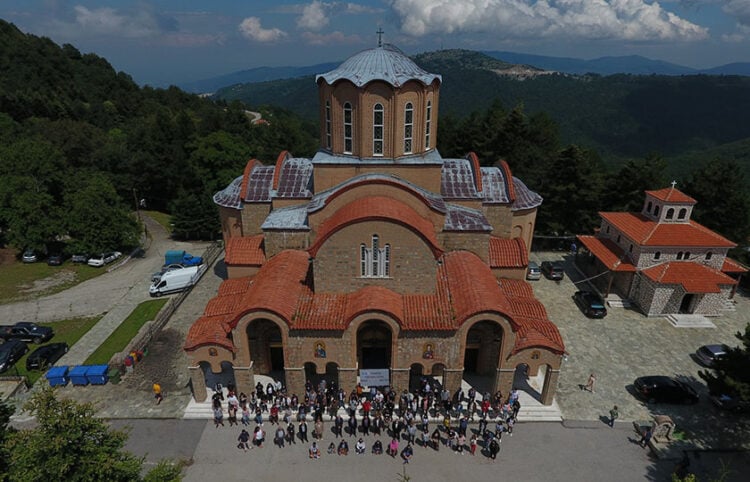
45	356
731	403
80	258
10	352
55	259
104	258
533	273
708	354
29	256
554	270
26	331
664	389
590	303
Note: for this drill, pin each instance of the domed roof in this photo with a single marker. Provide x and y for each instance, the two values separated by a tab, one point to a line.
386	63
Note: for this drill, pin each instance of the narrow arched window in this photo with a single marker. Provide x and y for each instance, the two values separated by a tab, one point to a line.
427	126
682	214
607	229
348	129
687	255
377	130
631	248
648	207
619	237
679	255
657	255
709	255
375	262
362	260
328	124
387	261
670	213
408	127
656	210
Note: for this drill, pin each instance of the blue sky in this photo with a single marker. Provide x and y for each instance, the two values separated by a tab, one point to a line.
170	41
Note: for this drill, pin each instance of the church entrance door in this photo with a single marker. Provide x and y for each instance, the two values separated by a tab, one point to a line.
374	340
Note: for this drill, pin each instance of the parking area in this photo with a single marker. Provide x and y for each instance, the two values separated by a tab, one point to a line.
626	345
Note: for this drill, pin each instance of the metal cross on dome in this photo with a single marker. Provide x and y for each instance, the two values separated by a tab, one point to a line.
674	183
380	36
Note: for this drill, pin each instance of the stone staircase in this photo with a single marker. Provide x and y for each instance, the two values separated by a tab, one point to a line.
690	321
614	301
729	306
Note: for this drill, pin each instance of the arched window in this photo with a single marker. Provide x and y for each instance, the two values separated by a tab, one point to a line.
408	127
679	255
607	229
687	255
682	213
348	129
648	207
709	255
657	255
631	248
428	121
375	262
619	238
377	130
656	210
328	124
670	213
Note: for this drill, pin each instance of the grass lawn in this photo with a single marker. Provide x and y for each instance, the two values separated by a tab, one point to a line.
69	331
119	338
162	218
18	279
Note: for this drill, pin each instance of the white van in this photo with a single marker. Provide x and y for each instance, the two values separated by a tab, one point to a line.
177	280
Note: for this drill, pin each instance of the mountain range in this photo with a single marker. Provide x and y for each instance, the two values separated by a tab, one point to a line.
631	64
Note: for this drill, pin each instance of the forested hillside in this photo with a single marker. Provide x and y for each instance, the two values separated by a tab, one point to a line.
80	142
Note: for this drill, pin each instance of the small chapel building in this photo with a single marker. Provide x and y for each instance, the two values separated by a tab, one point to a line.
376	254
660	259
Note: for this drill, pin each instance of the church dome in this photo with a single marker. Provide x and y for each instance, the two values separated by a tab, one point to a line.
386	63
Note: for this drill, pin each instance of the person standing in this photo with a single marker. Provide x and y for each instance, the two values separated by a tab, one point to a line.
494	448
473	444
590	383
303	431
218	417
290	434
646	437
407	453
157	393
613	415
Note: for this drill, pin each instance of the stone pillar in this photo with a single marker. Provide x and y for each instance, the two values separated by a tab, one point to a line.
504	381
550	385
244	377
295	380
400	379
348	379
198	381
452	378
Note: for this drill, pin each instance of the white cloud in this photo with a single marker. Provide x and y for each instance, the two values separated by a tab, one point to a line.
588	19
331	38
740	9
313	16
251	28
108	21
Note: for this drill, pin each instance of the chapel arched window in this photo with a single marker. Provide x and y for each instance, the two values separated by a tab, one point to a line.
375	262
408	127
348	128
377	130
427	126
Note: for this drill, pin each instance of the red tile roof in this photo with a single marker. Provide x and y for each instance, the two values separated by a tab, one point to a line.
508	253
377	208
476	168
508	180
283	156
245	251
606	251
694	277
645	232
732	266
246	174
465	287
670	194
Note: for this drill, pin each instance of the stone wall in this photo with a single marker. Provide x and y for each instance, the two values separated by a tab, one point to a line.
277	241
253	216
477	243
231	223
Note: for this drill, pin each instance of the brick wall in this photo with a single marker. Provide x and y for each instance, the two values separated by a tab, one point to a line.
253	216
277	241
477	243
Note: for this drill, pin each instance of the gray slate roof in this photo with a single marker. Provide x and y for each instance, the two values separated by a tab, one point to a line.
229	197
525	197
386	63
430	157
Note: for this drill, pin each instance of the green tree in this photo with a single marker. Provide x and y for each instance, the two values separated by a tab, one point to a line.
194	216
6	411
723	205
731	374
625	187
69	444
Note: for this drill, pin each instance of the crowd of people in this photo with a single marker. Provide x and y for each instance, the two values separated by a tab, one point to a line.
403	418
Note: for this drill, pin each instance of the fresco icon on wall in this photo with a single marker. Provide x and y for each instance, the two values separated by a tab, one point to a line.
428	353
320	350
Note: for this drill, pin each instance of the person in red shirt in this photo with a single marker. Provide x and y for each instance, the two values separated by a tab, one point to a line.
366	407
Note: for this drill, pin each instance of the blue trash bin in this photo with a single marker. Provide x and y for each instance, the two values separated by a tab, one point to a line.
78	375
57	376
97	374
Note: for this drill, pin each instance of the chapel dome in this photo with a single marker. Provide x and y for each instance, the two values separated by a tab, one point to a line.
386	63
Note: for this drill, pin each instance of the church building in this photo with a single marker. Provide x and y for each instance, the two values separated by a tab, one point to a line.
660	259
376	255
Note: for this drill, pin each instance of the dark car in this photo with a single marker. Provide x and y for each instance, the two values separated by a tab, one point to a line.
45	356
732	403
708	354
664	389
590	304
554	270
10	352
55	259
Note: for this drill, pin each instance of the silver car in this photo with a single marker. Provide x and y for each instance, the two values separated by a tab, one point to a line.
533	273
708	354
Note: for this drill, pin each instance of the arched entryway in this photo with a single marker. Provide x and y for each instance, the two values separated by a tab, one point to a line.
374	340
482	355
416	376
526	380
266	347
332	374
224	377
687	303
